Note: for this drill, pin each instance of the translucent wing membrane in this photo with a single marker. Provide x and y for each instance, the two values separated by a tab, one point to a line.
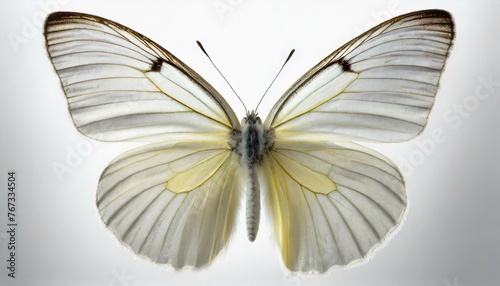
355	200
173	203
378	87
120	85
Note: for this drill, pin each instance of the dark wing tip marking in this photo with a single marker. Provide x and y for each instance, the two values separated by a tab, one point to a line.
436	16
156	66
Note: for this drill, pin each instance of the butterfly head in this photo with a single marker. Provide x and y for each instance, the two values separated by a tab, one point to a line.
252	118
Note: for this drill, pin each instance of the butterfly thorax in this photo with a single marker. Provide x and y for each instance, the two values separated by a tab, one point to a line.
252	140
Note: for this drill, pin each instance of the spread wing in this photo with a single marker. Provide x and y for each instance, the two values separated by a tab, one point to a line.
379	86
175	201
172	203
120	85
332	203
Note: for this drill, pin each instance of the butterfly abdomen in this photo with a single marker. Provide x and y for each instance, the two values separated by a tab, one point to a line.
251	151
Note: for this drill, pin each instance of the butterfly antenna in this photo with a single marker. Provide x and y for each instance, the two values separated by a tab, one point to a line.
287	59
206	54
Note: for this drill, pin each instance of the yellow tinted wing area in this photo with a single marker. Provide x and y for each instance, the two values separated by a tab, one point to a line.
317	230
313	180
173	203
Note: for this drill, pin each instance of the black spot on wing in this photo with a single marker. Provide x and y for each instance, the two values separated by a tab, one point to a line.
345	64
156	66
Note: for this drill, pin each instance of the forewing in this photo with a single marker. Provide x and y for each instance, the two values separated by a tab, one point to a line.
173	203
120	85
332	204
379	86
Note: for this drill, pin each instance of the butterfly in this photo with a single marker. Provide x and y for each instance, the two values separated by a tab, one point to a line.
175	199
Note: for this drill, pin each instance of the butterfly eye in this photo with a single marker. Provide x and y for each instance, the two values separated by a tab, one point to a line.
259	121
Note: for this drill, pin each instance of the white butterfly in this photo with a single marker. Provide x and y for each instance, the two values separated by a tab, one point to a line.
175	200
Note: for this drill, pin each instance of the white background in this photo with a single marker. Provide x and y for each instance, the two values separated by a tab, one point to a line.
452	231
